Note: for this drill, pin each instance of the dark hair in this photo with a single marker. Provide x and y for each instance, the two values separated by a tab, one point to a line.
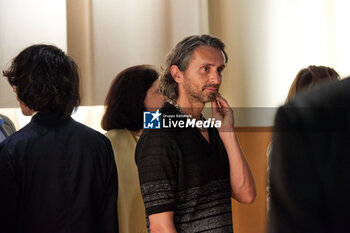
45	79
181	56
309	77
125	99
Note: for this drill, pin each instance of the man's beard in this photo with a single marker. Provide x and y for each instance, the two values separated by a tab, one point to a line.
212	96
199	95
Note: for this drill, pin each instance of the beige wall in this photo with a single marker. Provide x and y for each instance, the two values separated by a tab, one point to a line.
79	43
269	41
226	21
108	36
27	22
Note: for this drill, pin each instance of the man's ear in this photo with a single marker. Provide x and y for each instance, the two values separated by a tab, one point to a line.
176	73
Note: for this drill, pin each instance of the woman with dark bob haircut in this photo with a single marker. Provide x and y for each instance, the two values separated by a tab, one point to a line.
127	98
44	78
132	92
56	175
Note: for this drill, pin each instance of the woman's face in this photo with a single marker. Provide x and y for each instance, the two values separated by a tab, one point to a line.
154	100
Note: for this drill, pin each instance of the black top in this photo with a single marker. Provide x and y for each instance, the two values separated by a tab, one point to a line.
310	162
180	171
57	176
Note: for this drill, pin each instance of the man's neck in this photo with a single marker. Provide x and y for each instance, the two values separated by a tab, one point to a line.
190	107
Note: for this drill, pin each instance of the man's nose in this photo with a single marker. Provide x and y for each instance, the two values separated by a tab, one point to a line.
215	78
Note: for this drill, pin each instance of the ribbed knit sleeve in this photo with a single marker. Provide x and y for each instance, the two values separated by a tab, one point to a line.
156	159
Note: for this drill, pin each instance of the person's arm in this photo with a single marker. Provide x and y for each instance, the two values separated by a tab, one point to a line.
156	160
241	178
9	194
162	222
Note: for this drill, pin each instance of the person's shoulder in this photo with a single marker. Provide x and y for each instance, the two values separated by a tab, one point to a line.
27	132
155	145
156	140
115	134
122	140
156	137
168	108
86	133
19	138
81	128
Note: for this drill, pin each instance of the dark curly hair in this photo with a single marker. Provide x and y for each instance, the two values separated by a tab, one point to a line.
45	79
125	99
181	56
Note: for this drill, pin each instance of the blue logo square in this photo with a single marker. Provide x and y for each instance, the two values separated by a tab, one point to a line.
151	120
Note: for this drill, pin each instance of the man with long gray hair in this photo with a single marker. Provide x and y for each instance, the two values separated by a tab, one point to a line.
189	171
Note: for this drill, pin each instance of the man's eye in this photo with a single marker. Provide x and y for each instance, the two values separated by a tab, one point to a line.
206	69
220	70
